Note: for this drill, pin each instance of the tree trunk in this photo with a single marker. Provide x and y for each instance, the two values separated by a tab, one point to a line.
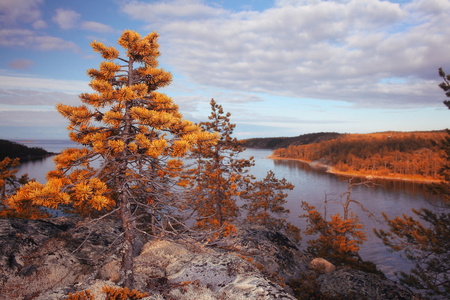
218	193
127	266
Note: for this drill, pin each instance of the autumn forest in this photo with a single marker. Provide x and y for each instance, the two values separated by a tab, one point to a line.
412	155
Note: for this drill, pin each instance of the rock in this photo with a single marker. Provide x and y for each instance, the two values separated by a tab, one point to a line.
354	284
272	252
40	255
227	276
321	265
48	259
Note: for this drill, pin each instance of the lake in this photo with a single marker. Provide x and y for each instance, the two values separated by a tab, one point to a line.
311	185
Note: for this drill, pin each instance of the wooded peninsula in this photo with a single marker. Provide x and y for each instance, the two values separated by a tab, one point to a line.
13	150
398	155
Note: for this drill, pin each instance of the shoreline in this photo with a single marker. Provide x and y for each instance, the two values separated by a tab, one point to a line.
329	169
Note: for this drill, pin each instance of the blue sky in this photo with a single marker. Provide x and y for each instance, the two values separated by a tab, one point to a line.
281	68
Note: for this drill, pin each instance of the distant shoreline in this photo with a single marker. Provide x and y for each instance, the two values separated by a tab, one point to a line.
25	153
329	169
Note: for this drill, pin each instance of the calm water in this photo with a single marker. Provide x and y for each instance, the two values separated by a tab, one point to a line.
311	185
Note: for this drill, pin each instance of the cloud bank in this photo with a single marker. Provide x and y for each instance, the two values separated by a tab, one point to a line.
369	53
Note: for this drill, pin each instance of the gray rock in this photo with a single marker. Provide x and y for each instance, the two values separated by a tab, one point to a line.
40	255
228	276
354	284
48	259
271	251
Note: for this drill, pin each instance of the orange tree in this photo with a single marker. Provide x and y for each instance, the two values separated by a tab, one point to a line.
132	138
8	180
9	184
218	174
427	246
426	243
339	239
264	202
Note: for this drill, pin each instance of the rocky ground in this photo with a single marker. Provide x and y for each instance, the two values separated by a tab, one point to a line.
48	259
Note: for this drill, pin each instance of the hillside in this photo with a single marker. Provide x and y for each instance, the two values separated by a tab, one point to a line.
283	142
412	155
13	150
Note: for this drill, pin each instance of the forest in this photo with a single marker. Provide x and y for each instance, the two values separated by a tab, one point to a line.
415	155
284	142
12	149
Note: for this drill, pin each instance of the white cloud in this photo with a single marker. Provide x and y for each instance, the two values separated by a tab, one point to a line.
373	13
155	11
97	27
341	50
22	64
66	18
29	39
429	7
12	11
22	82
39	24
31	119
39	100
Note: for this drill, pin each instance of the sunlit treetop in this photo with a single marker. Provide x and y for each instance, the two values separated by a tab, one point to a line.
123	121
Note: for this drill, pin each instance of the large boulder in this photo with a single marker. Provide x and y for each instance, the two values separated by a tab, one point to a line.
272	252
177	270
321	265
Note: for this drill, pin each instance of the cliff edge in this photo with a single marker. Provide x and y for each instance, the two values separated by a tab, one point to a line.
50	258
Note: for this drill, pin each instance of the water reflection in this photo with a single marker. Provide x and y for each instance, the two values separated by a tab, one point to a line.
37	169
402	186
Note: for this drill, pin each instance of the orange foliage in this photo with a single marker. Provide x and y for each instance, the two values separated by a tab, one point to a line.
112	293
424	242
218	176
264	203
339	240
395	154
84	295
9	184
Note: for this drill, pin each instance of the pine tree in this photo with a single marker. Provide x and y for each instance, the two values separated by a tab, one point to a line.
445	85
9	184
443	188
339	240
264	204
8	180
427	246
218	175
426	243
132	138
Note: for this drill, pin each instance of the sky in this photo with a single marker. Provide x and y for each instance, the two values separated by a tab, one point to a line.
281	68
